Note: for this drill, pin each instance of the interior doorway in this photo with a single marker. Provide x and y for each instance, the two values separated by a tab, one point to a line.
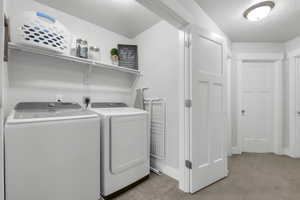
259	107
256	122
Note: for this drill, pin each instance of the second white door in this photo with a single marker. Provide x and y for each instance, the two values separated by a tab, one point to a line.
256	111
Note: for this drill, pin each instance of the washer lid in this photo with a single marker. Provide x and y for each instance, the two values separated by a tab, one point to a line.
46	106
108	105
119	111
47	111
115	109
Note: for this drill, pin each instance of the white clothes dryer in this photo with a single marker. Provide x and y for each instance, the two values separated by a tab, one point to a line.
125	146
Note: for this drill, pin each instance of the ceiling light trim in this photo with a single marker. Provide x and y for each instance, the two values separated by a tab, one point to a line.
270	4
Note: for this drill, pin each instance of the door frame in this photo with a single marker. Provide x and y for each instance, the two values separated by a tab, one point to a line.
229	103
293	57
277	60
184	140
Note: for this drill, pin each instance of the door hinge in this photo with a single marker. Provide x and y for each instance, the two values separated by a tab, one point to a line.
188	43
188	103
188	164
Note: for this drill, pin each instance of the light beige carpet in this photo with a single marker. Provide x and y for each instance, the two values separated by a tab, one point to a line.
252	177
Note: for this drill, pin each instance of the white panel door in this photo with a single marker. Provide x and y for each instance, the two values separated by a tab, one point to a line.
207	136
256	114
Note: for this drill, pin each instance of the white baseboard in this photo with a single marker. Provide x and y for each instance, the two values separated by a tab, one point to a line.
236	150
286	151
279	151
165	169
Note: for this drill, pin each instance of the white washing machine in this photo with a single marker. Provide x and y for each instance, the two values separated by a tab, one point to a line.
52	151
125	149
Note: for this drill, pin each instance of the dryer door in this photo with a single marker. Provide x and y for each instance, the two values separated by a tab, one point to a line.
129	139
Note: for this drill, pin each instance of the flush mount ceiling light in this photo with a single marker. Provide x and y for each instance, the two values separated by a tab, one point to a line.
259	11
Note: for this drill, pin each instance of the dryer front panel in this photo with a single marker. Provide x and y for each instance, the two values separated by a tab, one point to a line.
129	142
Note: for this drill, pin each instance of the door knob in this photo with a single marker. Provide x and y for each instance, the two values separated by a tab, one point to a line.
243	112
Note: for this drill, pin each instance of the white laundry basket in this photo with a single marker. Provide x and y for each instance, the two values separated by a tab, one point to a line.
40	30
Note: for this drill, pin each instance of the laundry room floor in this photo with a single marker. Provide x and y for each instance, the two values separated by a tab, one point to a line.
252	177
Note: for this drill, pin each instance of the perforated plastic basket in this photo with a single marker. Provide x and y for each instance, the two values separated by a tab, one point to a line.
40	30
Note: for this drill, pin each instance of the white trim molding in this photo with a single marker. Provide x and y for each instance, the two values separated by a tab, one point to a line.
293	53
228	103
165	169
236	151
184	145
286	151
184	180
278	108
239	147
293	72
259	56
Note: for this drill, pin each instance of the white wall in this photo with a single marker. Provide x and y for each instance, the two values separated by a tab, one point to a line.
234	139
293	44
229	105
289	94
2	79
286	138
258	47
160	62
39	78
